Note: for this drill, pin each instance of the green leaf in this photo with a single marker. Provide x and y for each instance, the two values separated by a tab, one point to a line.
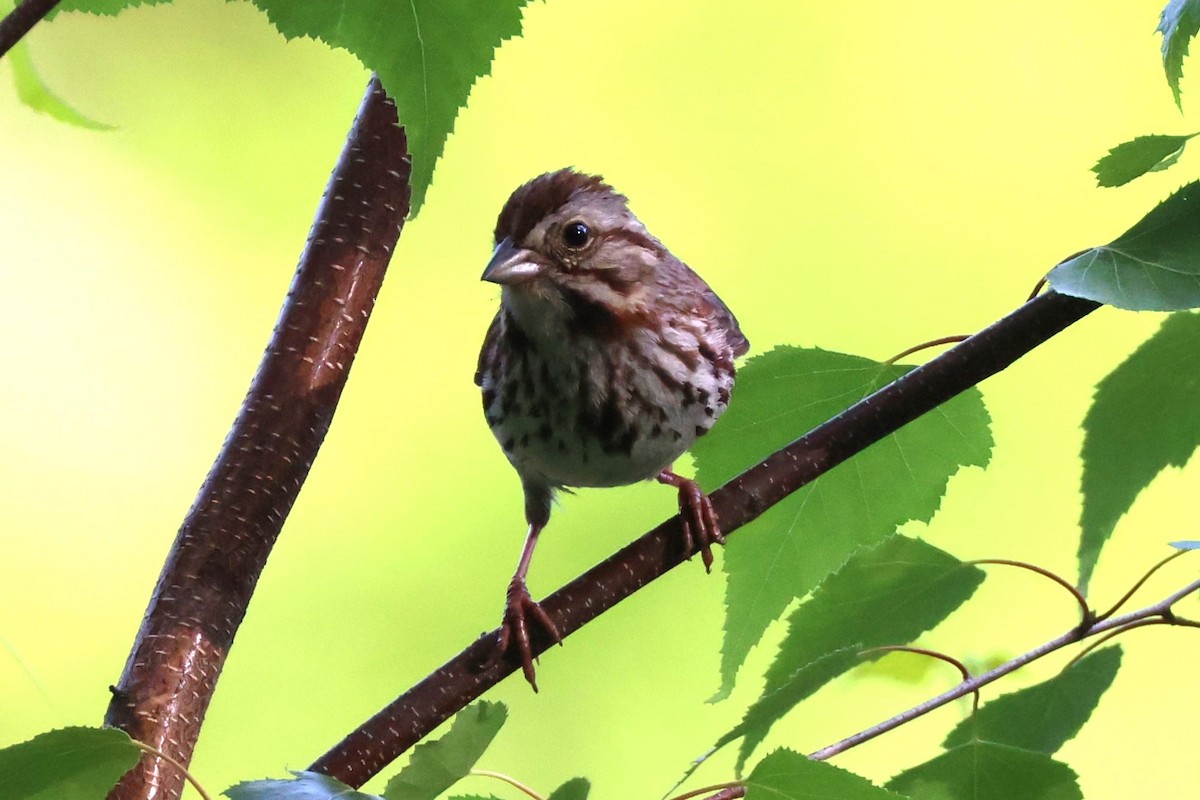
1179	22
574	789
1135	158
305	786
1145	416
107	8
1046	716
428	53
34	92
780	396
436	766
886	595
67	764
1154	266
988	771
772	706
787	775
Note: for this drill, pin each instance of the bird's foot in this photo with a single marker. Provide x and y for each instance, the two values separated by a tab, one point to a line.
519	612
699	518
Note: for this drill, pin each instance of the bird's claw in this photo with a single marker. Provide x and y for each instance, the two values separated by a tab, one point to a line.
515	628
698	518
700	526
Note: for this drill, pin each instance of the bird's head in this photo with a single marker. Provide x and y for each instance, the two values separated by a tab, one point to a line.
570	252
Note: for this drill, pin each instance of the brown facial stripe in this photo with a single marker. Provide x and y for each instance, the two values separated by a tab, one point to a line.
637	239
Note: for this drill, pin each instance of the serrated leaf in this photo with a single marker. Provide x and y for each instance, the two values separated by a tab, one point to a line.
787	775
772	706
1186	544
1179	22
436	766
574	789
988	771
304	786
779	397
428	53
1154	266
107	8
1136	157
1043	717
66	764
888	594
1145	416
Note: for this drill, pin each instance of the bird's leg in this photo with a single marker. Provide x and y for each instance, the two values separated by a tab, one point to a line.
700	527
521	606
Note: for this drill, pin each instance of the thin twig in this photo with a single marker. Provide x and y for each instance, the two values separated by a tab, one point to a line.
21	20
1140	583
1086	610
511	781
412	715
921	651
1037	288
1158	610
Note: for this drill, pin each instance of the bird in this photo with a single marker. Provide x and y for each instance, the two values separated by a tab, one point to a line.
607	358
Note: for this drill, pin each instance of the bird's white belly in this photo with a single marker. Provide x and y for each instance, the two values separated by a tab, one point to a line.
603	419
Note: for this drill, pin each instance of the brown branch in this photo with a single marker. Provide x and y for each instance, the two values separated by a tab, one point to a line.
21	20
452	686
220	550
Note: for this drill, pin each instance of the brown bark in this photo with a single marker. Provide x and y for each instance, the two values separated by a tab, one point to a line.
220	550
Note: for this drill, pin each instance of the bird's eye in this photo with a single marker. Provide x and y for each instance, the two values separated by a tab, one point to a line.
576	234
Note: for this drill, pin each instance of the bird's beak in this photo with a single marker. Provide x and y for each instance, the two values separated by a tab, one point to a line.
511	264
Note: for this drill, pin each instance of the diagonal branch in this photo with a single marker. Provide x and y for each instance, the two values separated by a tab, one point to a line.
21	20
408	718
220	551
1158	613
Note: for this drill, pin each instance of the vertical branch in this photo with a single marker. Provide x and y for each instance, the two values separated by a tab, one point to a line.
220	550
21	20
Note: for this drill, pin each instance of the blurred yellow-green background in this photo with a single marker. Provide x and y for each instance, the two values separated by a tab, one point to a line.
856	176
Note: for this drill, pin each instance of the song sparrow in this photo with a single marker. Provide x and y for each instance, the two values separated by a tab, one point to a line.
607	358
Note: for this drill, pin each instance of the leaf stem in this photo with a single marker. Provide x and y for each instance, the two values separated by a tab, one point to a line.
1088	616
716	787
511	781
926	345
1161	610
921	651
189	777
1140	583
1141	623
